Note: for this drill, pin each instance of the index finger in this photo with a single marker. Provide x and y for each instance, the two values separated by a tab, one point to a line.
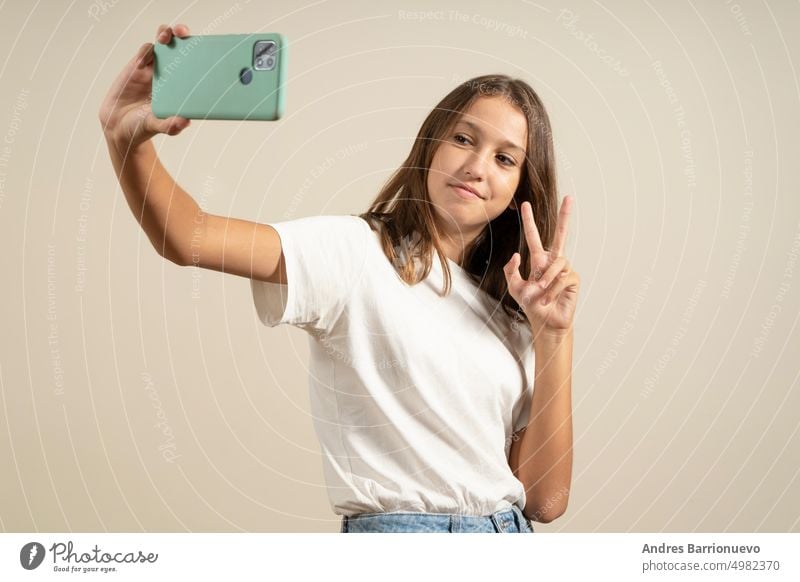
531	232
561	228
166	32
181	30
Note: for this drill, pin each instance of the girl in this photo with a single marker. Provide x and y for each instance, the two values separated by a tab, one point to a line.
440	385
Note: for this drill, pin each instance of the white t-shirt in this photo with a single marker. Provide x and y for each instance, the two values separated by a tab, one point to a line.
415	396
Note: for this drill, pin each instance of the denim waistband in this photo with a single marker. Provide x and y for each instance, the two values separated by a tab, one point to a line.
510	520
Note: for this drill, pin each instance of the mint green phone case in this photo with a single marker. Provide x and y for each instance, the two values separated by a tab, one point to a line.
215	77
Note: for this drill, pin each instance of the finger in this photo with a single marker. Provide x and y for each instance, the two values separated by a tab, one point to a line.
561	228
559	285
164	35
145	55
518	288
511	270
539	262
552	272
181	30
141	54
531	232
170	126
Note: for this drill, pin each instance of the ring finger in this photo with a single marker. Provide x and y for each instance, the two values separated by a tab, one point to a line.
558	265
564	280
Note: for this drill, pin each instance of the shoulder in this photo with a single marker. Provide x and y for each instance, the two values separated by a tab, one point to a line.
333	231
324	222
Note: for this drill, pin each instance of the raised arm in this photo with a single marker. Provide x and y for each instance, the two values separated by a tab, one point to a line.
174	223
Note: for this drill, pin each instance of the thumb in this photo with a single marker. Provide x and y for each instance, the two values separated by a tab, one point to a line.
511	269
171	125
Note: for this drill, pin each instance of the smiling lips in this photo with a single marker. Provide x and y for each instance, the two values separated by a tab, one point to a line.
465	192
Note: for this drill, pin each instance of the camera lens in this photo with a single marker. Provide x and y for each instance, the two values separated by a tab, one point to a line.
264	52
265	48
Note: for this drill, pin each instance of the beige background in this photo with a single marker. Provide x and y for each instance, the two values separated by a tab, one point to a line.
140	396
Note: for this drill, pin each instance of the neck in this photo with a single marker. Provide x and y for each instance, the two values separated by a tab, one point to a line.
453	251
455	248
454	244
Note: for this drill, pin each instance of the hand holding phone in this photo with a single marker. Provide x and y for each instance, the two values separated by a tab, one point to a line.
125	114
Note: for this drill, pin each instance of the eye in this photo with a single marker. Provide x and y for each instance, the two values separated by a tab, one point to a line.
508	161
463	140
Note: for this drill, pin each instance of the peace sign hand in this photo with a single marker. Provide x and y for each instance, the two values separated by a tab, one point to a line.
550	295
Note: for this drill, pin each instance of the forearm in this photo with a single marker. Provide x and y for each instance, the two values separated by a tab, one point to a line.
164	210
545	450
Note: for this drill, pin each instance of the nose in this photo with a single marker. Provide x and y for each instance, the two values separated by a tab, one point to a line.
475	165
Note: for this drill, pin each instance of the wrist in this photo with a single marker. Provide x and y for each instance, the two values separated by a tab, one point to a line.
552	337
115	142
124	147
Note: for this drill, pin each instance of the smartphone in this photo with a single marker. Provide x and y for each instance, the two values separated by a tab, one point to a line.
228	76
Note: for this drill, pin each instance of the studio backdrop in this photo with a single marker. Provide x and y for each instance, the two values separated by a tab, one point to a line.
136	395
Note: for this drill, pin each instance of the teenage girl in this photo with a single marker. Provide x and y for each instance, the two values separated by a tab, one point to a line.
440	321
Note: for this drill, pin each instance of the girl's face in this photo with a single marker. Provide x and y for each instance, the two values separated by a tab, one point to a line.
485	151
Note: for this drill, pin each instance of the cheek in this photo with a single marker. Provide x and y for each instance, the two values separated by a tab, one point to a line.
511	181
440	170
447	158
433	171
433	174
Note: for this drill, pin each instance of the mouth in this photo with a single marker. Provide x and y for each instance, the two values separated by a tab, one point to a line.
465	191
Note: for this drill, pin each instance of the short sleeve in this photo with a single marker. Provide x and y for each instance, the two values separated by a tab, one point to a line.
325	258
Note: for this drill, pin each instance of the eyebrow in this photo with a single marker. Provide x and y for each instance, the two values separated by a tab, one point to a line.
476	129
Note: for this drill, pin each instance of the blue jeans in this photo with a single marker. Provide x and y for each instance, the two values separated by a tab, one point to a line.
506	521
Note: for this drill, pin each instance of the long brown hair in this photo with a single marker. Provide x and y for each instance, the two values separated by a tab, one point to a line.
402	212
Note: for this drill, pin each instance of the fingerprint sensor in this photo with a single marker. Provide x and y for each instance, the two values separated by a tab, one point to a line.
245	76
